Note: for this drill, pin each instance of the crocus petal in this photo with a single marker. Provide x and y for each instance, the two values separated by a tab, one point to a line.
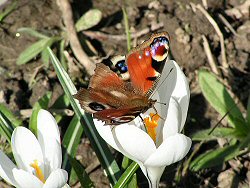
173	149
165	88
25	179
47	126
57	179
153	175
53	157
181	92
134	141
173	121
6	167
105	133
49	139
25	148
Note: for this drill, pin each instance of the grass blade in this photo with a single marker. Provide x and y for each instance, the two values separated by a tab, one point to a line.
42	103
10	116
100	147
32	32
127	175
71	140
6	127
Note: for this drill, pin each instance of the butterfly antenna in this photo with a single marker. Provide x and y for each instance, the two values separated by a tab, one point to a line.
162	82
161	103
210	132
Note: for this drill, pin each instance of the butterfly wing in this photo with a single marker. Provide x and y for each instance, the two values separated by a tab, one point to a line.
110	98
145	62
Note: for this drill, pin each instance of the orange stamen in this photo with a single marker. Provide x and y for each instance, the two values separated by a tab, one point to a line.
38	170
151	124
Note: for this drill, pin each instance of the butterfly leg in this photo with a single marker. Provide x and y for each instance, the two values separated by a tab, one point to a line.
143	123
156	113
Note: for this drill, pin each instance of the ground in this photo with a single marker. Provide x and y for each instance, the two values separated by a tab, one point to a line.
187	27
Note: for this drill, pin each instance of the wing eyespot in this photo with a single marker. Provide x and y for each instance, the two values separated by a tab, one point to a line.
96	106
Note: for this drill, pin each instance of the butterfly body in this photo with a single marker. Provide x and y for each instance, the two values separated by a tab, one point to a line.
115	101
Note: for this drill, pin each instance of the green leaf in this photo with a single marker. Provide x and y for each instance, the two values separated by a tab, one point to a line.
32	32
245	142
61	102
81	173
42	103
45	57
127	175
100	147
89	19
217	133
248	111
214	158
33	50
8	10
219	98
6	127
10	116
71	140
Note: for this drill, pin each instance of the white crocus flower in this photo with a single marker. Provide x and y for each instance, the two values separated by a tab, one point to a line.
163	145
38	160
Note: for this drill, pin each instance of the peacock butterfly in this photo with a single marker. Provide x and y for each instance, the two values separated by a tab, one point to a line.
116	100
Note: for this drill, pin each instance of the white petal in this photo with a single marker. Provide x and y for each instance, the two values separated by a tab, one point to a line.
49	139
135	142
26	180
6	167
105	133
57	179
53	157
173	149
165	88
25	148
47	126
153	175
173	121
181	92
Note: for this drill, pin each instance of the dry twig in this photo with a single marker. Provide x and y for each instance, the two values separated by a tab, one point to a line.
228	25
104	36
72	35
218	31
210	58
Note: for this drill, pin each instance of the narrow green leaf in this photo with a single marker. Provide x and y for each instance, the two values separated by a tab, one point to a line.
217	133
245	143
89	19
81	173
10	116
6	127
126	24
219	98
214	158
42	103
32	32
61	102
71	140
45	57
33	50
100	147
127	175
248	111
8	10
